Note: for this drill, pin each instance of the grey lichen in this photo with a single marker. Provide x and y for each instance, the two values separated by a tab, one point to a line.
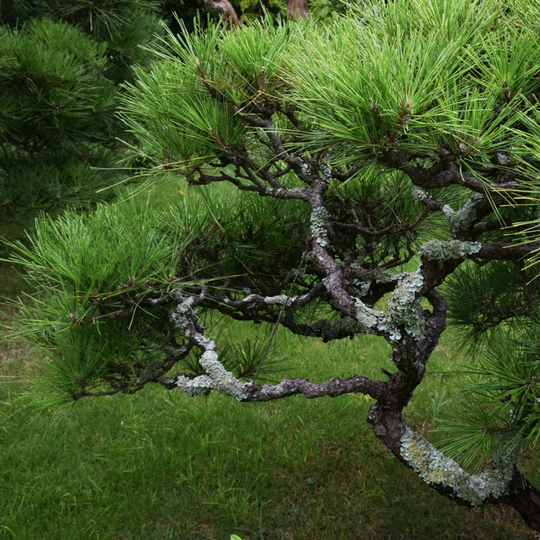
366	316
383	276
439	250
361	288
216	377
180	315
404	310
418	194
436	468
222	380
176	351
330	330
326	173
463	218
193	387
503	159
279	299
448	211
319	225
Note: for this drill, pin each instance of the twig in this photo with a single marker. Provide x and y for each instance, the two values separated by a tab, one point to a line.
274	329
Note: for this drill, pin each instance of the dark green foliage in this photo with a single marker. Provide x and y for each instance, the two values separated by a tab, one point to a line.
178	14
15	12
488	297
500	405
61	66
495	308
125	26
383	199
58	117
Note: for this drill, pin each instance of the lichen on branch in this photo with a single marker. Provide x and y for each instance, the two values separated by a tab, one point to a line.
436	468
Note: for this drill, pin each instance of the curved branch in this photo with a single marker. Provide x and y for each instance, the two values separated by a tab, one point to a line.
501	483
331	388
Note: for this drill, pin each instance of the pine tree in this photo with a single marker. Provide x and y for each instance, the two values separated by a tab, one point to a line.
61	66
58	117
380	165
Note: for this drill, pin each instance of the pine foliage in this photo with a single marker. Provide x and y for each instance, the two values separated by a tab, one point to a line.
61	65
58	116
196	241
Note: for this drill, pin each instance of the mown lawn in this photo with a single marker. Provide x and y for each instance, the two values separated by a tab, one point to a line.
161	465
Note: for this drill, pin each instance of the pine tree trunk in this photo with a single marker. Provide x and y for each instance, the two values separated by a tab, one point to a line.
525	499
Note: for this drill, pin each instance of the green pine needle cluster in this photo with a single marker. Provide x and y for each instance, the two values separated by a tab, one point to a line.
57	116
86	269
500	403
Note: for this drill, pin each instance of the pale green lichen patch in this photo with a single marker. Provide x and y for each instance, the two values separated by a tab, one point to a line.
383	276
326	173
222	380
179	316
404	310
464	217
418	194
436	468
216	377
438	250
330	330
194	387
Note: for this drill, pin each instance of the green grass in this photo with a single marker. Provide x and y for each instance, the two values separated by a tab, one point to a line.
161	465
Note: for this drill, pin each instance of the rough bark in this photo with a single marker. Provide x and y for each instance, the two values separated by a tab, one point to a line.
525	499
229	14
500	484
297	8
